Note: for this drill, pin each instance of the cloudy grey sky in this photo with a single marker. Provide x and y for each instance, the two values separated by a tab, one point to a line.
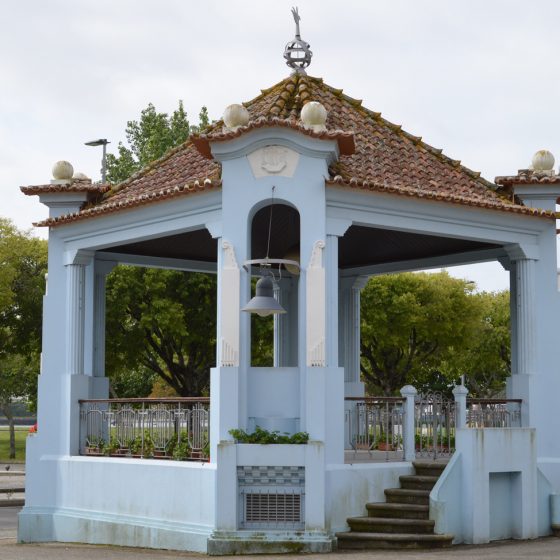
478	78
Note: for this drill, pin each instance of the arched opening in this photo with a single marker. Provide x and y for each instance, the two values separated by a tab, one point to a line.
275	233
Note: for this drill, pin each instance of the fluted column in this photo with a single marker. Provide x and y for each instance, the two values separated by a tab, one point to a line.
526	323
523	336
75	308
99	313
349	347
331	297
285	324
513	316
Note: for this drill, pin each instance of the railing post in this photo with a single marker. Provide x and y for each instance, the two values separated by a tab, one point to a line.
460	393
409	393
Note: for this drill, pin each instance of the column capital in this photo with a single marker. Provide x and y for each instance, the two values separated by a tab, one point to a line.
78	256
337	226
215	229
353	282
104	267
519	252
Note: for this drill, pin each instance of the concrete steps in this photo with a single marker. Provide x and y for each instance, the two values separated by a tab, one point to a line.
361	541
398	510
401	522
402	496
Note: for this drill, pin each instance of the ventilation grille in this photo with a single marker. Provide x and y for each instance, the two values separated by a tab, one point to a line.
272	508
271	497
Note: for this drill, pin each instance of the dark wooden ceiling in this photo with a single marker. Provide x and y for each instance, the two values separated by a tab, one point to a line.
360	246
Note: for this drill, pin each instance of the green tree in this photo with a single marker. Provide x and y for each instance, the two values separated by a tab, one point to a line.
150	138
150	331
163	321
410	324
23	264
486	360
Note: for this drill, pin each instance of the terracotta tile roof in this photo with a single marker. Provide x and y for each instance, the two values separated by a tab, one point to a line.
441	196
345	139
528	177
385	158
77	185
116	205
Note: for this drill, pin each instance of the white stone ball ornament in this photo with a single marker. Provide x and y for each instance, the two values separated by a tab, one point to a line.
62	171
543	160
235	116
314	116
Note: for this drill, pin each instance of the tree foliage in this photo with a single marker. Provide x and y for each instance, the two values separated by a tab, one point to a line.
486	360
411	324
150	138
151	331
23	264
162	321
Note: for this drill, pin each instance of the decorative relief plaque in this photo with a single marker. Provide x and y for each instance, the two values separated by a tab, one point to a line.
273	160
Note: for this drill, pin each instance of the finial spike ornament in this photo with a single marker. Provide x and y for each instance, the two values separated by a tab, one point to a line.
297	19
297	52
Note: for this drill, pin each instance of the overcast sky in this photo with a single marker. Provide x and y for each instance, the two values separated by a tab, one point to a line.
478	78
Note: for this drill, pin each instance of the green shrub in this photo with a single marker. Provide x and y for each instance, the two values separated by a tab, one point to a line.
266	437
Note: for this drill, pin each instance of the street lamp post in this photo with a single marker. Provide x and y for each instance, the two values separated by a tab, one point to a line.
101	142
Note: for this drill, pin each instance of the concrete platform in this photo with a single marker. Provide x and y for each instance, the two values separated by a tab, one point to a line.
540	549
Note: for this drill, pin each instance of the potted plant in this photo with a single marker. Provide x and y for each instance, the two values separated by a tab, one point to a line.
182	449
95	446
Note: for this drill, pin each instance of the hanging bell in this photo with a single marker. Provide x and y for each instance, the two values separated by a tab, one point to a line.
263	303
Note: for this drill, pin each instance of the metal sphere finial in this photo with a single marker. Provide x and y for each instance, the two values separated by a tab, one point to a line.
297	52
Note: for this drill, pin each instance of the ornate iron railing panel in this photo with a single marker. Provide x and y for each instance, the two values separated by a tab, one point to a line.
146	428
376	424
434	431
494	413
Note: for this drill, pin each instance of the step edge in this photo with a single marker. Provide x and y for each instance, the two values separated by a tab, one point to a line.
395	536
393	520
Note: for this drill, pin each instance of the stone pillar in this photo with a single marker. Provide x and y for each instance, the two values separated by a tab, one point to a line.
409	393
460	393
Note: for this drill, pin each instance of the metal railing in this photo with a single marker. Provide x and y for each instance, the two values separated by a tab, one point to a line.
380	424
176	428
376	424
494	413
434	425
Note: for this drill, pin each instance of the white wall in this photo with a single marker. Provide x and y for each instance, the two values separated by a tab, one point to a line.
350	487
130	502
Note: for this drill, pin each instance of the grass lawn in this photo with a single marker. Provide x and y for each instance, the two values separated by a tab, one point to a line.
21	434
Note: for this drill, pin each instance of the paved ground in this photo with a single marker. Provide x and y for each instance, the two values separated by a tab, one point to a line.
8	523
541	549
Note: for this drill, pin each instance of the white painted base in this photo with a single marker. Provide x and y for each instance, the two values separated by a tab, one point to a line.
129	502
71	525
